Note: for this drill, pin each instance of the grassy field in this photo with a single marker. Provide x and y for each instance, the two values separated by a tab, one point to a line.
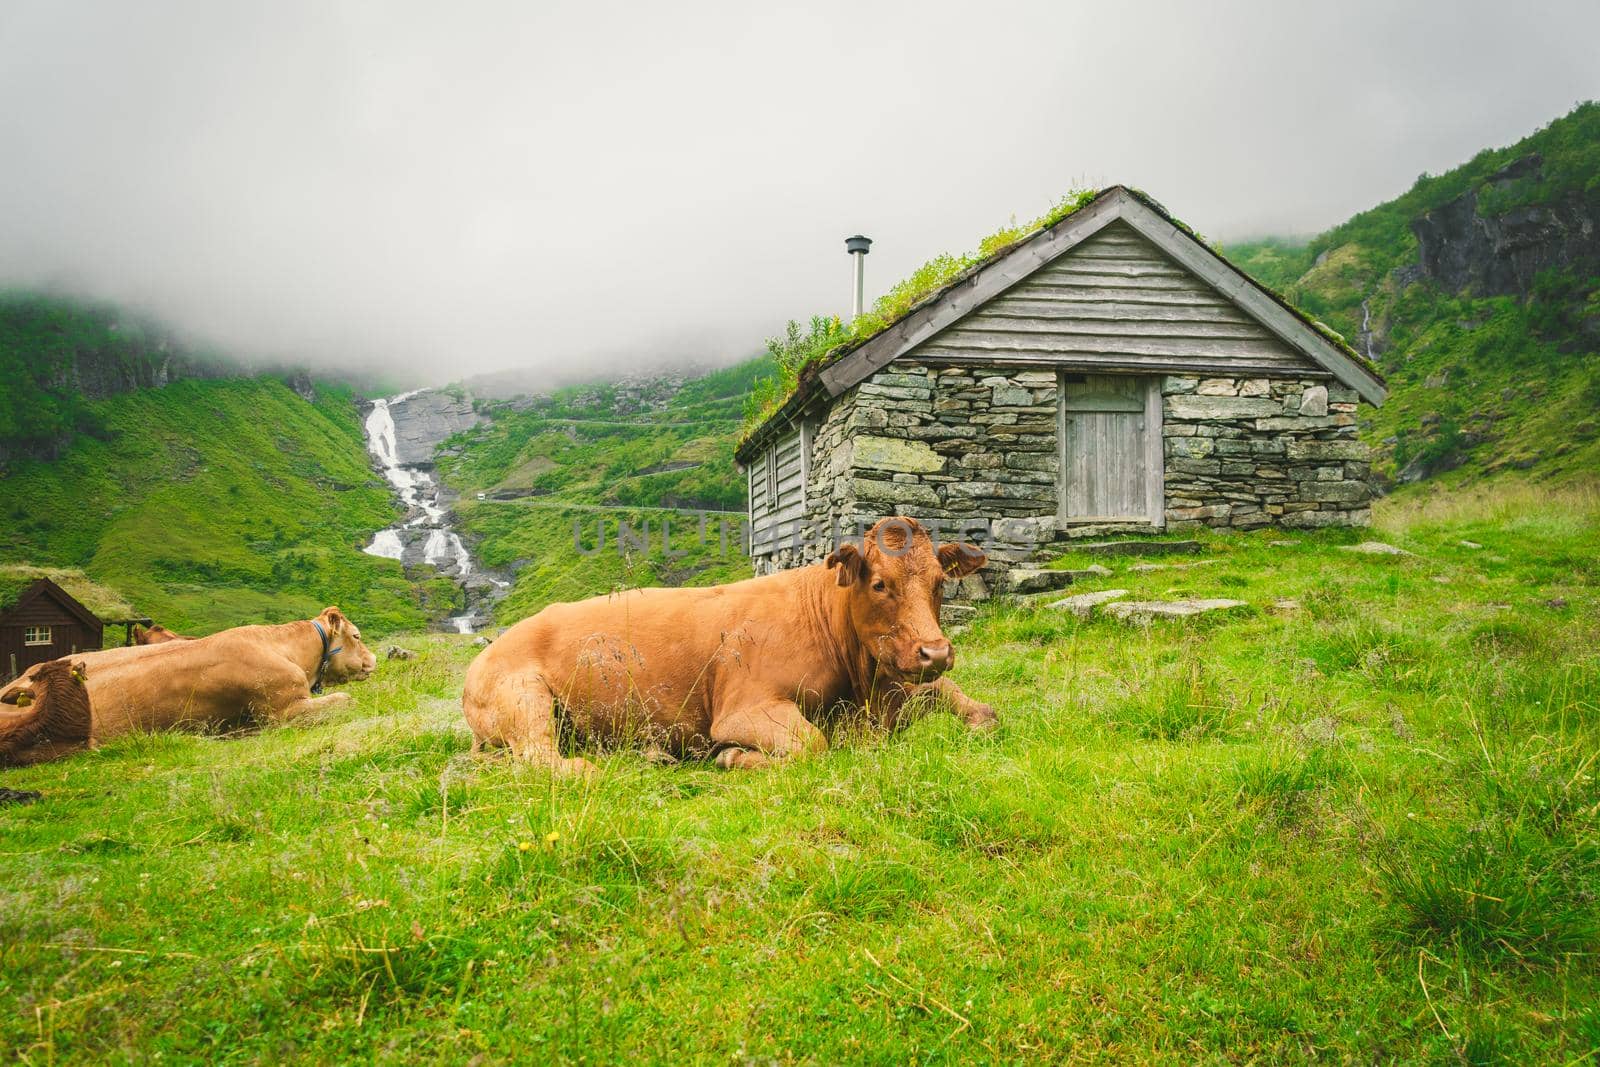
208	504
1355	821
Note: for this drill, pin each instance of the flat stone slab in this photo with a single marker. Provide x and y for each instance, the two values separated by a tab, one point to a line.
1147	611
1173	566
1139	548
956	614
1082	604
1037	580
1082	574
1375	548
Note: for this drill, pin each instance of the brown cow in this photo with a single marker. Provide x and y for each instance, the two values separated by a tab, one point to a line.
52	718
741	670
156	634
235	678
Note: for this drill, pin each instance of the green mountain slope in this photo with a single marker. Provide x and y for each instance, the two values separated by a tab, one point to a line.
1478	294
554	471
209	503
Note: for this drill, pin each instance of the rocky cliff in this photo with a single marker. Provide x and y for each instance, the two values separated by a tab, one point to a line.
423	420
1471	244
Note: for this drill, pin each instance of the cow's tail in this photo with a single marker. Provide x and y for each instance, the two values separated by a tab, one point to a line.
53	714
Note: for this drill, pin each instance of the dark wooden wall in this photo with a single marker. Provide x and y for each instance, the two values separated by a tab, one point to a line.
68	633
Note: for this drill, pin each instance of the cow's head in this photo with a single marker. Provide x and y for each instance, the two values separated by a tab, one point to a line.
155	634
349	660
895	584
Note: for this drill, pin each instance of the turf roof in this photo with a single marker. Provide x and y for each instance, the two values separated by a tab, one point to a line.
105	603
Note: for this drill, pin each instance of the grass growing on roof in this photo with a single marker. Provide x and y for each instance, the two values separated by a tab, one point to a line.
103	601
802	348
1361	827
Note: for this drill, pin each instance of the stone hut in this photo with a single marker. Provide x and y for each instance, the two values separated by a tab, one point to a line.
1108	374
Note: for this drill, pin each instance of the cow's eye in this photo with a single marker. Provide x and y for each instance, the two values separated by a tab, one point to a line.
878	586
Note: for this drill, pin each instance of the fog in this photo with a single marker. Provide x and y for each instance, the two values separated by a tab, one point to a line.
448	189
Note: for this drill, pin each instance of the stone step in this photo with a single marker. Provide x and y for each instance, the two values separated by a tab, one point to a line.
1082	604
1138	548
1144	612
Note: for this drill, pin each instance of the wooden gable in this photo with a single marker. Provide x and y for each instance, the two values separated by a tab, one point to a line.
1195	269
1115	302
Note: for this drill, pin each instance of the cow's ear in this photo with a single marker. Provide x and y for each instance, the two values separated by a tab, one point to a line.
850	562
334	617
961	559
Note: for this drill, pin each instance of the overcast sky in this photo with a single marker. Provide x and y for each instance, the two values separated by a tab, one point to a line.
459	187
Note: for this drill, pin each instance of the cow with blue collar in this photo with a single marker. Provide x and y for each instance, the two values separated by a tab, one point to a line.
245	676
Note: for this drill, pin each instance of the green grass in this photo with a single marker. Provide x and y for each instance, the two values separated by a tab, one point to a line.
211	503
1361	827
541	540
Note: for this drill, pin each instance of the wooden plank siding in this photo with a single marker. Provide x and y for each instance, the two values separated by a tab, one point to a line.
1116	302
778	490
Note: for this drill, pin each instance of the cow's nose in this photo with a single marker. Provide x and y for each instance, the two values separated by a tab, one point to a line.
935	657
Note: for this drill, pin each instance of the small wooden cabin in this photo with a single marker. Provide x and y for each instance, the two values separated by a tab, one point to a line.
40	621
1107	374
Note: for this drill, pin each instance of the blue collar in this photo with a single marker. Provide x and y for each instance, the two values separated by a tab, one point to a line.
327	654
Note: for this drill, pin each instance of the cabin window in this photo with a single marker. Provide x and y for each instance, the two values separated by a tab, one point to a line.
36	635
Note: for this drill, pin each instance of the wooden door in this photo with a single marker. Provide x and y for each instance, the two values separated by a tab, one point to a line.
1110	449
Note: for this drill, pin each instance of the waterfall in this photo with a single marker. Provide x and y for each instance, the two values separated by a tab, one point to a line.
426	522
1366	329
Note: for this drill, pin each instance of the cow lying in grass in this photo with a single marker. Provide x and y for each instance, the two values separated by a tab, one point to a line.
239	677
741	671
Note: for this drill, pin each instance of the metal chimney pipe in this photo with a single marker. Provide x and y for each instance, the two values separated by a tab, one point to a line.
858	246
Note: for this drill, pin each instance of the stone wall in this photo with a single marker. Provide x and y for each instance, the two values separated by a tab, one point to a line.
956	447
975	447
1257	451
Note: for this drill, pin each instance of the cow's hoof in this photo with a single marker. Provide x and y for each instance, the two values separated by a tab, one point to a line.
741	759
982	719
575	768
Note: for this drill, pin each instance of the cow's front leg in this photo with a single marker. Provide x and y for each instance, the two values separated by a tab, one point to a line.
307	705
756	735
975	713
